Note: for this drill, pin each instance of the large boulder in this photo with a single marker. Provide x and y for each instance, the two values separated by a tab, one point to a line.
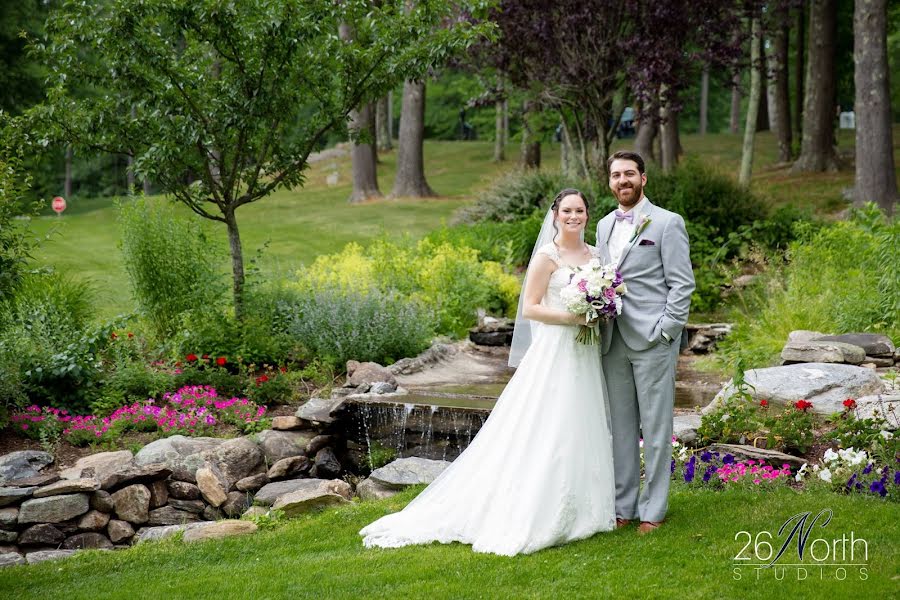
93	520
133	503
283	444
270	493
684	427
219	530
101	464
180	453
405	472
183	490
825	385
119	531
326	465
154	534
53	509
10	559
236	458
22	464
283	469
9	517
817	351
873	344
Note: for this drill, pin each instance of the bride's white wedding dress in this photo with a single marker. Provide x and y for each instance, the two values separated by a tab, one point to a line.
540	471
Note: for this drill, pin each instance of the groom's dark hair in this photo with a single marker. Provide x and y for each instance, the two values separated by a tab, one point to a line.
626	155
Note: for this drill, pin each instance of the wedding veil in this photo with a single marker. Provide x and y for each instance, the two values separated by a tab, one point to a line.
522	332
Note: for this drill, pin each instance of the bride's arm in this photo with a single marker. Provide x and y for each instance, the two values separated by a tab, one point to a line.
535	287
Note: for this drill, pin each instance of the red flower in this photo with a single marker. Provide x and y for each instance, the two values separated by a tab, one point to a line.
261	379
191	357
206	357
130	335
283	369
849	403
221	361
802	405
764	403
113	335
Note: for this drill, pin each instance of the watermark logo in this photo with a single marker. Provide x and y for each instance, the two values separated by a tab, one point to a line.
804	552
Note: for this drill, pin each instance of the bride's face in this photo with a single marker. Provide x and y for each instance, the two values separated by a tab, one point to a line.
571	215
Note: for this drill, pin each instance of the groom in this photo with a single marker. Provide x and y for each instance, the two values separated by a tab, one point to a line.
640	347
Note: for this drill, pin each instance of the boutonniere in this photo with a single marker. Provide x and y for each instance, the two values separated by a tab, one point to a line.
645	220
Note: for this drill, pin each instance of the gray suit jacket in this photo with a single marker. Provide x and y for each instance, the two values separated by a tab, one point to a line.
658	276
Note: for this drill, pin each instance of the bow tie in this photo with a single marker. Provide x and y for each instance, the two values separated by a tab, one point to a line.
625	216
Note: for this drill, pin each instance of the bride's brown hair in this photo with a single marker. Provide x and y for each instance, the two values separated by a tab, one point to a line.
568	192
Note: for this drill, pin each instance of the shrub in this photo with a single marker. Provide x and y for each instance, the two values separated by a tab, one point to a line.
448	280
46	326
838	279
507	243
336	324
521	193
170	262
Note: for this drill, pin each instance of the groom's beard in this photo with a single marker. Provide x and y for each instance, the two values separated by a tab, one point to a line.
637	192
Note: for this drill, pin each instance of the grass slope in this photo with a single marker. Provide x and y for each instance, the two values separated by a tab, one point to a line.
320	556
316	219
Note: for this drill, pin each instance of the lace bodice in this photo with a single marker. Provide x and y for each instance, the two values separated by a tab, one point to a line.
561	276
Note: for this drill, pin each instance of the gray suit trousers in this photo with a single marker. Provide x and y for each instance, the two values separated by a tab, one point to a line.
641	394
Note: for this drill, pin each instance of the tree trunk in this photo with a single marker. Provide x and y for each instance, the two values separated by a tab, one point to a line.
531	148
237	263
373	135
646	132
383	118
735	103
365	178
499	134
762	117
781	105
67	182
704	100
800	68
129	175
817	144
410	179
668	134
752	107
146	186
876	179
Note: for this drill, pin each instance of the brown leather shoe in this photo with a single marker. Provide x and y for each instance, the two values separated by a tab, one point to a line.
647	526
620	523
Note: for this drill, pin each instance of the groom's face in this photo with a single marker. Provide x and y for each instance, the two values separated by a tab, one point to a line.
626	182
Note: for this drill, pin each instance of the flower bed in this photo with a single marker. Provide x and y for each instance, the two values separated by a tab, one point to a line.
191	410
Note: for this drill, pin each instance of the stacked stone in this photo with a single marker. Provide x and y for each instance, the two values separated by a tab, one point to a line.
114	499
863	349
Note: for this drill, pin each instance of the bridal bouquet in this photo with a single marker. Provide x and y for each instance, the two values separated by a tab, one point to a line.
594	291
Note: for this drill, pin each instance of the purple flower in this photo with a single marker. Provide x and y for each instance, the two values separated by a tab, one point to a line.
689	470
868	469
851	481
706	456
672	466
729	459
877	487
709	471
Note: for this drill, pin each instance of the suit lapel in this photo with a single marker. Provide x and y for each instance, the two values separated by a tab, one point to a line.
648	209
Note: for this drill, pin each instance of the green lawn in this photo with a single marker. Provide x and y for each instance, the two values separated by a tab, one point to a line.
303	223
320	556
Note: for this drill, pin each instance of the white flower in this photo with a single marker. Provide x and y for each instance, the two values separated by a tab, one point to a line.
815	468
825	475
801	473
830	456
887	435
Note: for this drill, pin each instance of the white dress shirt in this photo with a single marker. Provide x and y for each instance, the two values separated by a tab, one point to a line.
623	230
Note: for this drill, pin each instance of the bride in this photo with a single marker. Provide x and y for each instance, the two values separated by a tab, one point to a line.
540	471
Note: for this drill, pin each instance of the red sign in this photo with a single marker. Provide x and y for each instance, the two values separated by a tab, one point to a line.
58	204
